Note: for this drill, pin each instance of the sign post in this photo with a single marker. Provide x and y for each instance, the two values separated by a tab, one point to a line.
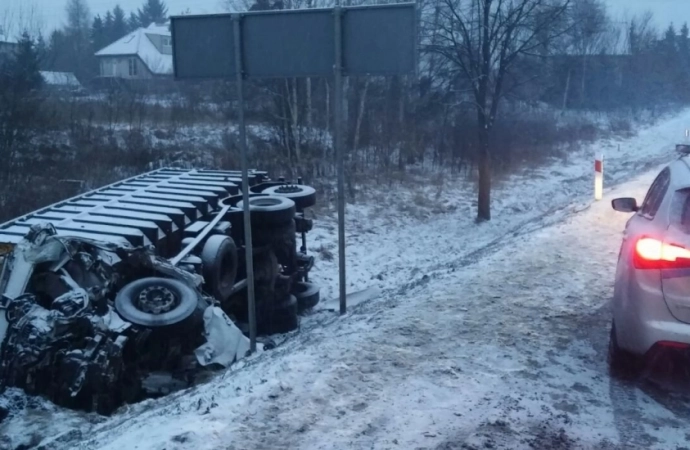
598	177
318	42
248	248
339	156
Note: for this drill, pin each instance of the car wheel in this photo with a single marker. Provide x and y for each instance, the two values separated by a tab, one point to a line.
622	364
307	294
270	210
303	196
219	262
156	302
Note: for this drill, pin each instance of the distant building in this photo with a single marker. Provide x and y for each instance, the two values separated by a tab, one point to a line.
8	45
142	54
60	80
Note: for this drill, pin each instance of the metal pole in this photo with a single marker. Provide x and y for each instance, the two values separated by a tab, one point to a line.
249	254
338	127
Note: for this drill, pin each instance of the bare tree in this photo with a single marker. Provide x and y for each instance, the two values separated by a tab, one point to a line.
78	33
588	34
25	17
641	34
484	39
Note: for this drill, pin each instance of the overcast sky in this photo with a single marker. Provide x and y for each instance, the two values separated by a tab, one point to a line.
52	11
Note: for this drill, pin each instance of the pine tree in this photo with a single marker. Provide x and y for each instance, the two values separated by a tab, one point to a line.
99	40
684	42
133	22
58	52
42	50
80	58
20	101
108	27
26	66
152	11
119	23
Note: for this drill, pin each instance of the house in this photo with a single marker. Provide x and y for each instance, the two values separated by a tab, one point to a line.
61	80
8	45
142	54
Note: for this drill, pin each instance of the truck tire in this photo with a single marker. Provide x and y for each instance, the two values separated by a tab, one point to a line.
307	294
156	302
303	196
282	240
219	264
283	318
270	210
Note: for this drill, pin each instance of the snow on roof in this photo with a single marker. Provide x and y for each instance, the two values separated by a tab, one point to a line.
60	78
7	39
138	43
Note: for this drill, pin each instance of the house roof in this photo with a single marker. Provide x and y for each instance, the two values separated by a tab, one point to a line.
7	39
138	44
60	78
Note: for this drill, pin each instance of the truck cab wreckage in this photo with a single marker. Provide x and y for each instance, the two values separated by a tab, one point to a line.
133	290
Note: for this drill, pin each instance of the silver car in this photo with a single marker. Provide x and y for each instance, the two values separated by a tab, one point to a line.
651	300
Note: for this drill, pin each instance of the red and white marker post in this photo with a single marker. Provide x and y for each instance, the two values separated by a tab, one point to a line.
598	176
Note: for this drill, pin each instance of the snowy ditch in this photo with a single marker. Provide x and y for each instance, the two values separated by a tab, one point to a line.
394	257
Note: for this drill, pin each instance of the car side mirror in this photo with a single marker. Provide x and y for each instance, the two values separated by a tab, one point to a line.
626	204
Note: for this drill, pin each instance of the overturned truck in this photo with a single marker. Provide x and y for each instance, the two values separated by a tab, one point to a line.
135	289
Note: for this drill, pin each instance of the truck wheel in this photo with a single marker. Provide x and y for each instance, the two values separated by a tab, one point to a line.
156	302
219	262
282	240
270	209
307	294
283	317
303	196
622	364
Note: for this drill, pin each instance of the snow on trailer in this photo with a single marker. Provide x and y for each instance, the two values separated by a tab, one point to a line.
132	290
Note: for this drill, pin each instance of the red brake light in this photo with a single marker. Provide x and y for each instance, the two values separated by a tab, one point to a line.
654	254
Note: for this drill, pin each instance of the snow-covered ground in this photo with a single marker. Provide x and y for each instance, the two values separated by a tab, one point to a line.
390	247
483	336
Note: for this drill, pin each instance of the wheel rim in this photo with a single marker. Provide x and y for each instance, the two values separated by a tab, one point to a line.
265	201
157	300
289	189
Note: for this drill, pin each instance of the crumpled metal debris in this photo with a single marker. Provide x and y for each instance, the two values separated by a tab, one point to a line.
64	340
225	343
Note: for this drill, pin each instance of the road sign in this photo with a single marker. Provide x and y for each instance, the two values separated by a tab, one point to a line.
334	42
376	40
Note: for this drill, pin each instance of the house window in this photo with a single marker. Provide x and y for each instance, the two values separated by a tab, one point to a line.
167	41
133	67
108	68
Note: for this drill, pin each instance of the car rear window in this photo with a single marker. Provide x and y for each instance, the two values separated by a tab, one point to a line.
680	209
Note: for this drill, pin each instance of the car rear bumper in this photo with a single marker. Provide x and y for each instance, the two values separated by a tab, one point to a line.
646	321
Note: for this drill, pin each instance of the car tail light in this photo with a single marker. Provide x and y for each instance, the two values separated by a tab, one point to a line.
651	253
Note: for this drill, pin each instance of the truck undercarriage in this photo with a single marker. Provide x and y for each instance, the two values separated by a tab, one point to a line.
135	289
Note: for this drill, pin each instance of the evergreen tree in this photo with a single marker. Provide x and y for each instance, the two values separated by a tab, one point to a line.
42	50
119	23
684	42
152	11
58	52
108	27
26	66
20	100
78	33
99	39
133	22
669	41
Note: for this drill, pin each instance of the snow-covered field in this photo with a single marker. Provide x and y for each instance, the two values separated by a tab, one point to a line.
482	336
